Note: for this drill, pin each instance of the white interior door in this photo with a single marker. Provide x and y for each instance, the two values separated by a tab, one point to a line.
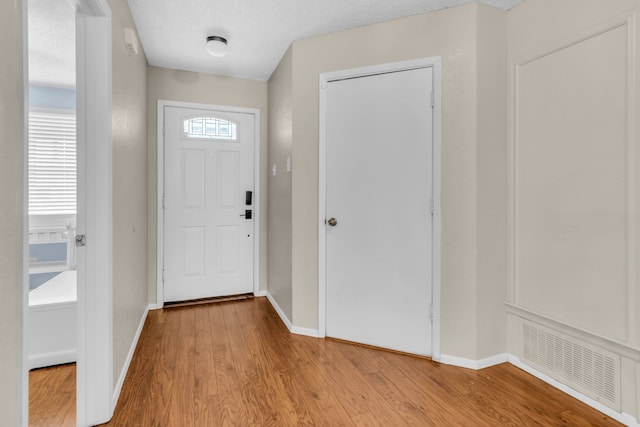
379	190
208	249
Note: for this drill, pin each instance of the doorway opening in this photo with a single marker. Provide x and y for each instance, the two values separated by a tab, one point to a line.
51	333
67	152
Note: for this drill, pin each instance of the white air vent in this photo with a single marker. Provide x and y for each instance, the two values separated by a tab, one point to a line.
589	369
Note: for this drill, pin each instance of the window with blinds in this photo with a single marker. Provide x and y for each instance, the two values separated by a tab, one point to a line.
52	163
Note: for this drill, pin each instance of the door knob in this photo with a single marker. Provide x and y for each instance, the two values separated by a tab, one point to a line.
333	222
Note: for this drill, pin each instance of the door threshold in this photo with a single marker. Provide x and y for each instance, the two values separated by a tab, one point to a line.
200	301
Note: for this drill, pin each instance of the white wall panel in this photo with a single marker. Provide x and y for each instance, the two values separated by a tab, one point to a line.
571	183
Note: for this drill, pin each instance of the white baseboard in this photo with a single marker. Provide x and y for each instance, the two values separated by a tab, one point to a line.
305	331
474	364
154	307
132	349
278	310
625	419
260	294
293	329
52	359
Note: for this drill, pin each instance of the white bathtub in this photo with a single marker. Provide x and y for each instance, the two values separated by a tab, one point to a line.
52	329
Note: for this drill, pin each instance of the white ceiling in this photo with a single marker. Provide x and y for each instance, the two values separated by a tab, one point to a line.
52	52
173	33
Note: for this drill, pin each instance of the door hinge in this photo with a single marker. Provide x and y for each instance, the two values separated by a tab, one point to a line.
162	202
432	206
431	311
163	275
433	99
81	240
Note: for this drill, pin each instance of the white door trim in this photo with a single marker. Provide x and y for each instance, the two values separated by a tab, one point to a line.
436	64
94	394
95	403
160	180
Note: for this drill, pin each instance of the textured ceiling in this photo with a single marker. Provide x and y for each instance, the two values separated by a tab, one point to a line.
173	33
52	53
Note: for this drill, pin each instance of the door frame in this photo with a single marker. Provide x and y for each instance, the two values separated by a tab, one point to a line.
160	193
436	64
95	390
94	366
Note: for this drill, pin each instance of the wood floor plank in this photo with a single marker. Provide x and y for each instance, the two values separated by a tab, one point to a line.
243	369
407	373
232	410
273	393
52	396
204	364
309	379
359	390
183	399
262	389
234	363
367	419
208	410
164	372
144	365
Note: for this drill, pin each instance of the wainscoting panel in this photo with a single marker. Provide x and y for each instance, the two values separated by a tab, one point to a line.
573	169
573	198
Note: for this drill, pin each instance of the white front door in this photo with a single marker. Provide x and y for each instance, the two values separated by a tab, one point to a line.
208	223
379	223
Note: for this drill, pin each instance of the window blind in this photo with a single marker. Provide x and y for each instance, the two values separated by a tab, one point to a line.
52	163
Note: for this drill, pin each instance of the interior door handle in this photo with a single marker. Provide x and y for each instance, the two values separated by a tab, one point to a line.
332	222
247	214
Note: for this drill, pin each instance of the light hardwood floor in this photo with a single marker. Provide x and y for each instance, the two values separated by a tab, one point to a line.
52	396
234	363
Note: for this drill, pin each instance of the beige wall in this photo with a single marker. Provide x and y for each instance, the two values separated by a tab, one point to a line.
574	177
11	104
129	187
186	86
491	104
279	198
452	34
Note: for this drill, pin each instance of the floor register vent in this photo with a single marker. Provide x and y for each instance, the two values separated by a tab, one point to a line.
589	369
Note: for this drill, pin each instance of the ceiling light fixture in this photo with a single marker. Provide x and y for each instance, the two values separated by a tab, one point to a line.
217	46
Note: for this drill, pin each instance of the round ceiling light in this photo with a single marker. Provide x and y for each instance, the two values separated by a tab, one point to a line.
217	46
